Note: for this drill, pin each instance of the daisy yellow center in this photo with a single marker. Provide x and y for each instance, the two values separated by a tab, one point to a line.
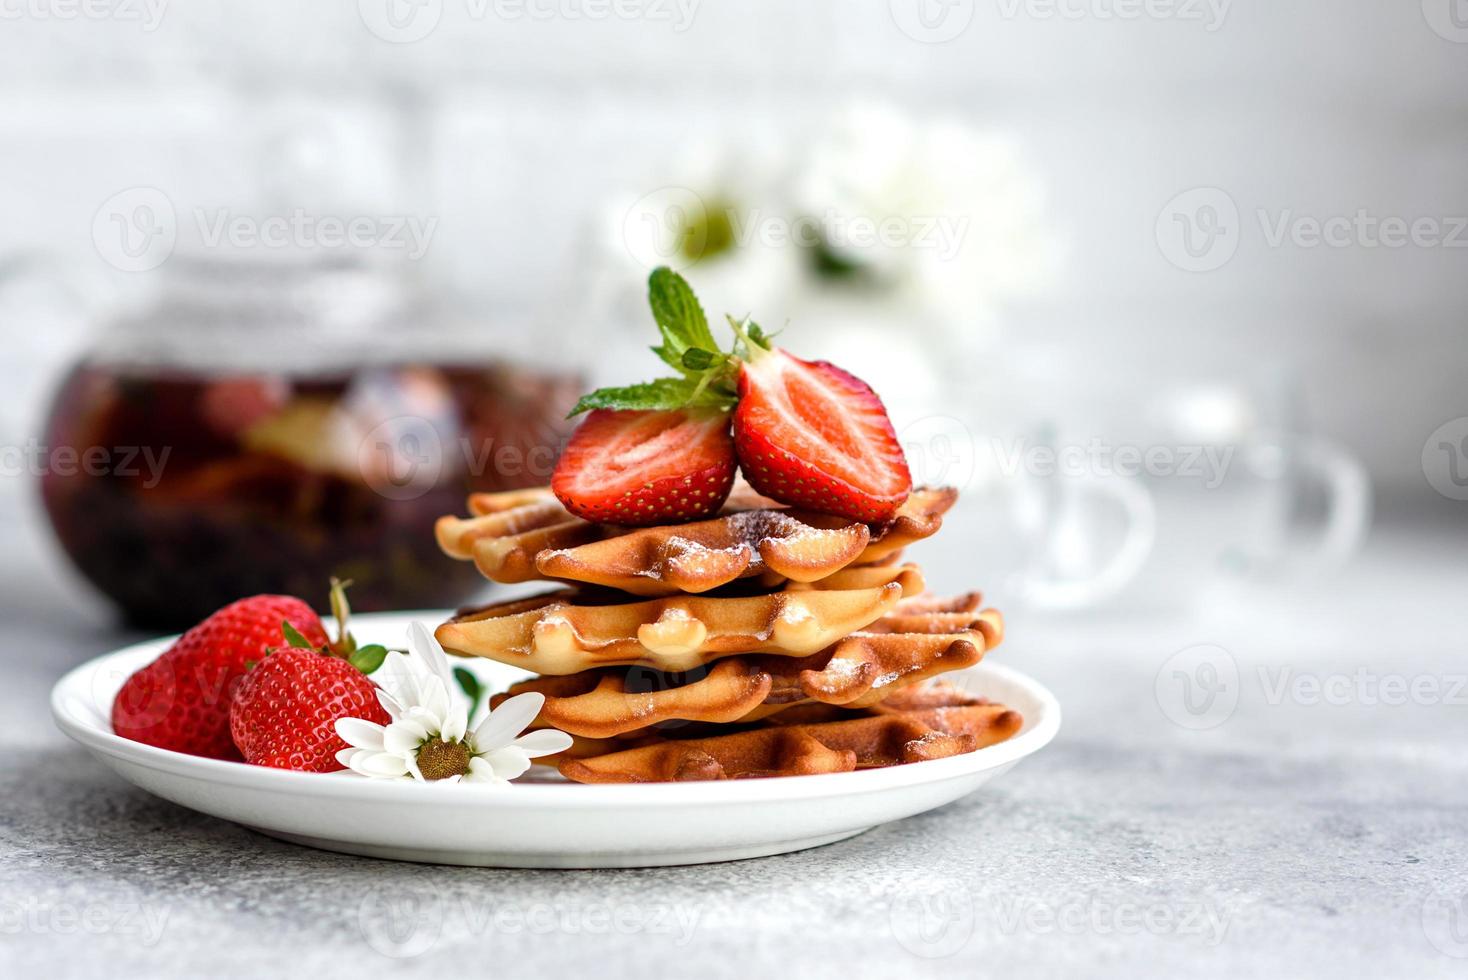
438	759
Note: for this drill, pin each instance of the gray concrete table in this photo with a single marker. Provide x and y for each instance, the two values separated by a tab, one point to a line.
1318	827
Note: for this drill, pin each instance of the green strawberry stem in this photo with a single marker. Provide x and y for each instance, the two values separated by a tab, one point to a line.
341	611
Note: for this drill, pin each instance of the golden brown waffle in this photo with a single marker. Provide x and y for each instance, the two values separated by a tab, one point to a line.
570	630
799	750
926	697
858	671
919	697
916	697
522	535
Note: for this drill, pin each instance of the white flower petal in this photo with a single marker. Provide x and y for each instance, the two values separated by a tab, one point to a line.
360	733
403	678
390	704
502	724
508	762
436	698
421	719
403	738
483	773
383	765
542	741
422	642
455	724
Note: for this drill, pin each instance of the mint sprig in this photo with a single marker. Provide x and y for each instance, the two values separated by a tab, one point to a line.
664	394
710	374
679	317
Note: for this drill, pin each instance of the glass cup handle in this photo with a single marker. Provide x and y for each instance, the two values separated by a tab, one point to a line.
1124	565
1349	498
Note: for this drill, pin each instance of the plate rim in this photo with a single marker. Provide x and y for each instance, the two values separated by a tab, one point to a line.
531	795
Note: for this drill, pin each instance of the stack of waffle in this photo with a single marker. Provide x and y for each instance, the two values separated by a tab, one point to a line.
763	642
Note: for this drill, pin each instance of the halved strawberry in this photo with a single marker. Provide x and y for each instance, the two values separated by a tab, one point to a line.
646	467
812	435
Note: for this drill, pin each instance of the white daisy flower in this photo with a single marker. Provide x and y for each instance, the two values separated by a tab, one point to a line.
427	738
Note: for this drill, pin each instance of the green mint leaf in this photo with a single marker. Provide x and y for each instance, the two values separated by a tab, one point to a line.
368	658
664	394
698	359
293	636
679	318
471	687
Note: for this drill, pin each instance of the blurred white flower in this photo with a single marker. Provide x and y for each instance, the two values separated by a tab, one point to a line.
945	215
703	216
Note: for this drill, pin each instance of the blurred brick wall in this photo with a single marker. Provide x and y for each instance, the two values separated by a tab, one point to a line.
512	129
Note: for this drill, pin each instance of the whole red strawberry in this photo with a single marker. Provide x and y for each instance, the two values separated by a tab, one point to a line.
286	709
181	701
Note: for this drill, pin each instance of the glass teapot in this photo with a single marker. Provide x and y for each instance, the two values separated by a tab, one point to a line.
270	423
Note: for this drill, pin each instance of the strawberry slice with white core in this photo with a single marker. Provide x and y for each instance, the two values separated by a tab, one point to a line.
812	435
645	467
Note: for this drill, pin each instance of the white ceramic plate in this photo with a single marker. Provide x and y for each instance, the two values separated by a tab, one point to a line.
546	823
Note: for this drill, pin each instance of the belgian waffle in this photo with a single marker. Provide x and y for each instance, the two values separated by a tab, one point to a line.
860	670
523	535
798	750
573	630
